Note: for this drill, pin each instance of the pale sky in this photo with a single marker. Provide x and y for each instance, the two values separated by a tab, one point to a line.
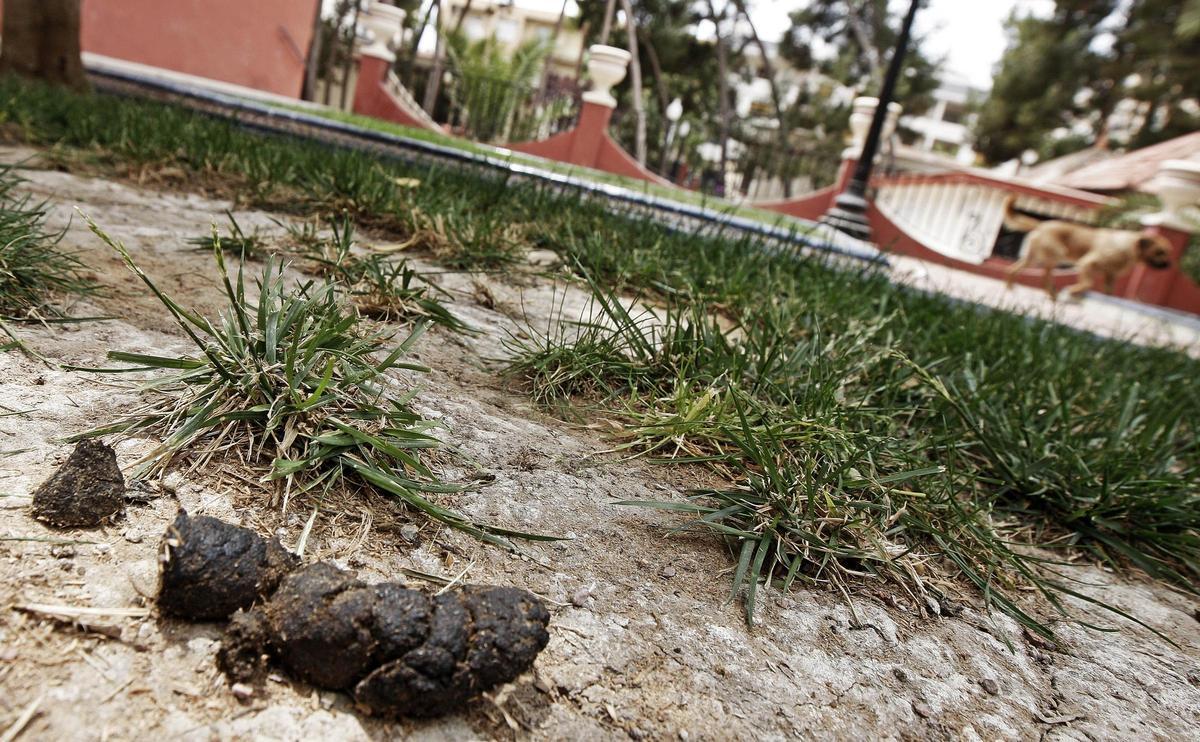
968	33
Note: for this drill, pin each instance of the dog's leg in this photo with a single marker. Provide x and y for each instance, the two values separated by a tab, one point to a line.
1085	283
1024	257
1016	268
1048	282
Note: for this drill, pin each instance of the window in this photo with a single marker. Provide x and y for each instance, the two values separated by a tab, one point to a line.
508	31
473	28
955	113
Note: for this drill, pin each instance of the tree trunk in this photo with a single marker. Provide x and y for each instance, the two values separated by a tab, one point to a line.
435	72
722	87
859	28
609	11
547	68
314	58
348	64
769	72
582	51
635	77
41	40
664	100
411	59
462	17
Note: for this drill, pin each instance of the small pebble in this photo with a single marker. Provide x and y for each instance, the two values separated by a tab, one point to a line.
409	533
8	654
171	482
668	572
990	686
62	551
900	674
242	692
922	709
683	735
580	598
133	538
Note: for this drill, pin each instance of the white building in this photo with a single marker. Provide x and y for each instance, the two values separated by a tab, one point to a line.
753	97
512	24
945	128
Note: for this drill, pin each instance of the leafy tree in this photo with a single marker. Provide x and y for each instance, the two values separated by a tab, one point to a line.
681	66
863	37
1158	68
1071	70
1046	65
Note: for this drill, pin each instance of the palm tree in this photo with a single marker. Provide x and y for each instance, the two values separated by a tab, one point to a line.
490	87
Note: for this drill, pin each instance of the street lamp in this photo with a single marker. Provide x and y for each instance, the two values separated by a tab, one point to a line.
674	111
849	212
684	129
1029	158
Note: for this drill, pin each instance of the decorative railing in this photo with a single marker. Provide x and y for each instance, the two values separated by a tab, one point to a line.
961	214
764	171
410	104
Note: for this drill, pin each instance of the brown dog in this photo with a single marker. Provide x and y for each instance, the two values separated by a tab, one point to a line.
1098	254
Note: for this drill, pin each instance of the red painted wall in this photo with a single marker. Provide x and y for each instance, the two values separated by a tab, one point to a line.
256	43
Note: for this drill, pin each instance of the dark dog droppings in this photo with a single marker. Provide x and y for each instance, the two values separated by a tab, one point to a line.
400	651
212	568
86	491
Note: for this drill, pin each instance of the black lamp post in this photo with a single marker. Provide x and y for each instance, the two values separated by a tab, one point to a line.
849	212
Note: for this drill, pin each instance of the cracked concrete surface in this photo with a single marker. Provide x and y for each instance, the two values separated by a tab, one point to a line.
637	650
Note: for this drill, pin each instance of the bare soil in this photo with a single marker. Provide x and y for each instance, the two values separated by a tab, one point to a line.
642	641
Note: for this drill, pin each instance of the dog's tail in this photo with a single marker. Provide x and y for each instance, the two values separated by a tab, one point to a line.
1015	221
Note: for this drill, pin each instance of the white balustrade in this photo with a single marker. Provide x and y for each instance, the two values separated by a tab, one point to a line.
1177	185
606	67
383	25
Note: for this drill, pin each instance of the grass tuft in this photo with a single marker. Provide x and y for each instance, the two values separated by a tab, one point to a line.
849	464
381	286
34	272
293	386
244	246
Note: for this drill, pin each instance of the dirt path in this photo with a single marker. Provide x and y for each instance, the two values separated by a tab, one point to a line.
642	643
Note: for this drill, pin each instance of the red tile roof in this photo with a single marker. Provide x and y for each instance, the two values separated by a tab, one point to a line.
1133	170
